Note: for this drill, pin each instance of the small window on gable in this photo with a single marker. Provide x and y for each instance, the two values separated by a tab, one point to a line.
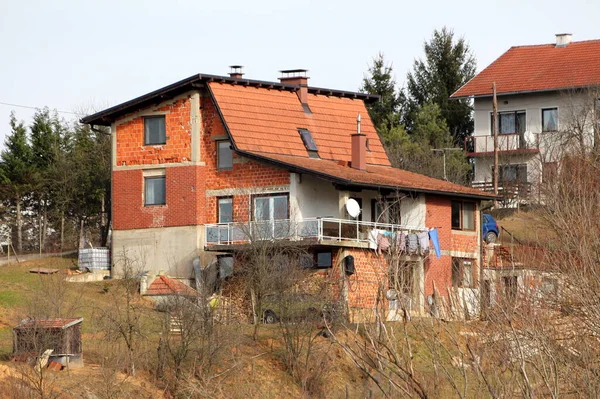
154	130
224	155
309	142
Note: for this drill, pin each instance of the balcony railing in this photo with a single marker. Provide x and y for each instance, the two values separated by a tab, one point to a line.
480	145
507	190
311	229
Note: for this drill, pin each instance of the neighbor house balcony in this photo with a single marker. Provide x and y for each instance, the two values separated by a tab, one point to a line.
477	146
310	231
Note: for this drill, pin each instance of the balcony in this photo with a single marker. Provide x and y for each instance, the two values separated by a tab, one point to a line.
508	191
477	146
323	231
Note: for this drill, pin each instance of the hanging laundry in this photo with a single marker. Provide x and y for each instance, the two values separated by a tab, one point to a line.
401	243
423	242
435	240
383	243
413	243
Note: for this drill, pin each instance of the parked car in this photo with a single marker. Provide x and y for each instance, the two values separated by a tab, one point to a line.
292	306
490	230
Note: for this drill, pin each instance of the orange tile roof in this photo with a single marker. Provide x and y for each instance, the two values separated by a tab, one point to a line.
168	286
266	120
538	68
373	176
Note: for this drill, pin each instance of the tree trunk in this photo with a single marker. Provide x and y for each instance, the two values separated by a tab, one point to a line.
255	316
45	226
62	230
19	224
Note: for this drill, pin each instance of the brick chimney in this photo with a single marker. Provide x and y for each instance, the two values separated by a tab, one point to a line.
359	148
236	71
563	39
297	77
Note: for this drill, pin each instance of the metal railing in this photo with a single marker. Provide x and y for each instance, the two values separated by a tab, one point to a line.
506	142
316	229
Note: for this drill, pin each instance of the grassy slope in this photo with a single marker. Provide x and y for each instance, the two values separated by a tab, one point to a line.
247	368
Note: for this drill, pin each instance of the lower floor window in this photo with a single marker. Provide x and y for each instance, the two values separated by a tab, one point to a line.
154	191
462	272
320	259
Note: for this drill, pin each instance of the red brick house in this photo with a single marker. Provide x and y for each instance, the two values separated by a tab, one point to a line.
198	163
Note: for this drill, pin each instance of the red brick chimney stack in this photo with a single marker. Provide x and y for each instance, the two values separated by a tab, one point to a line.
296	77
359	148
236	71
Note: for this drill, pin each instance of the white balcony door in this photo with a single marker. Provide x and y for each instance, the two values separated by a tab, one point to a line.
271	215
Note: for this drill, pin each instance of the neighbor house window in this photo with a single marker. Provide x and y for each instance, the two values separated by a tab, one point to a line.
463	215
273	207
154	130
224	155
513	173
511	122
225	210
462	272
386	210
549	119
154	190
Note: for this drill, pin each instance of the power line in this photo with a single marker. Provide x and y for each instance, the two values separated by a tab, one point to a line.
36	108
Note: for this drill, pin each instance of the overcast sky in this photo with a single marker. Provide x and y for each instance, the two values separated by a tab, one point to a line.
83	55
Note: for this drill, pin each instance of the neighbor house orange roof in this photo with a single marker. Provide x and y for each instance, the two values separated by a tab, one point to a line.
168	286
538	68
267	120
374	175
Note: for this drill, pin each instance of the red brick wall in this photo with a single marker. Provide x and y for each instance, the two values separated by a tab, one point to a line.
371	274
130	138
184	195
439	214
187	203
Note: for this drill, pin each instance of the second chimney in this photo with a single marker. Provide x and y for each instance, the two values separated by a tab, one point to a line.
236	71
296	77
563	39
359	148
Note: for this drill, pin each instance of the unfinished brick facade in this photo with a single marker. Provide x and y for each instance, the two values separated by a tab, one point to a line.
258	119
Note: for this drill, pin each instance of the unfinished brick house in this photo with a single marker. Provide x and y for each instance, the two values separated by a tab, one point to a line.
199	163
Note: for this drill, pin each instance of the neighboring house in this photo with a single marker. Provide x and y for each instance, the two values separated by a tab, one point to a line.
547	104
201	165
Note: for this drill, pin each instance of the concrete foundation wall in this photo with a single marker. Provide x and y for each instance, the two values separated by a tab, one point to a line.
171	249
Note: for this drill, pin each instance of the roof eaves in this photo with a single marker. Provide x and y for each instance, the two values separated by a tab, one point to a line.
339	180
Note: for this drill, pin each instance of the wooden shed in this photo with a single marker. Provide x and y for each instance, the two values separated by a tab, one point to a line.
62	336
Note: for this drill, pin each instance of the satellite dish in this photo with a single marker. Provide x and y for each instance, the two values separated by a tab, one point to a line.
352	208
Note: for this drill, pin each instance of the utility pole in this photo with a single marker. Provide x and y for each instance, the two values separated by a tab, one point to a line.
495	131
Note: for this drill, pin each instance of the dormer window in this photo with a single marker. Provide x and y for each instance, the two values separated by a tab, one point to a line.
309	143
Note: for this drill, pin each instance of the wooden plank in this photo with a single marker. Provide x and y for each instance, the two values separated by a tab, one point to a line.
43	270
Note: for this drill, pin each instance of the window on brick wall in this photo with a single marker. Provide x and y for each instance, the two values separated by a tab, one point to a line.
224	155
463	215
155	130
154	190
462	272
225	210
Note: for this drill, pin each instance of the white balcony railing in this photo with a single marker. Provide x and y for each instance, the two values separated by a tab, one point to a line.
316	229
506	143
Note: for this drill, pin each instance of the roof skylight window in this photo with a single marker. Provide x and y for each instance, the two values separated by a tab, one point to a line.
308	140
